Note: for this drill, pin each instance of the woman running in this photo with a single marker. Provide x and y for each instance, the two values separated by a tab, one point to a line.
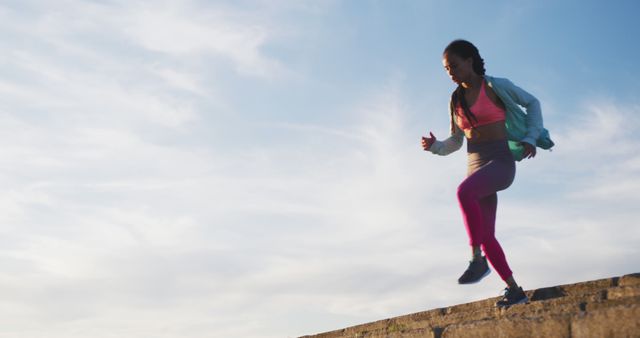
487	112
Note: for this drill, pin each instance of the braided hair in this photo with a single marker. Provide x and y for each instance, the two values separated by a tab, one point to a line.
464	49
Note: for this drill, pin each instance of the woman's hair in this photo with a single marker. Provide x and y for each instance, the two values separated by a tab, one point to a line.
465	50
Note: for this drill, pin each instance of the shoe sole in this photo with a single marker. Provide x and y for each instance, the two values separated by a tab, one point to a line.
522	301
479	279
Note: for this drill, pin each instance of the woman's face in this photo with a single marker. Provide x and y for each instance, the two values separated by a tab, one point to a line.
459	69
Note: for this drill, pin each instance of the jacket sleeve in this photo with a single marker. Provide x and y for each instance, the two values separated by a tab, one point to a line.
532	107
449	145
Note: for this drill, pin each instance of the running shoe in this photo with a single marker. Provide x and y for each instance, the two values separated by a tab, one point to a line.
478	269
512	297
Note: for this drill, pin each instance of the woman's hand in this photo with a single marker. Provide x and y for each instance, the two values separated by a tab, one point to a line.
529	150
427	142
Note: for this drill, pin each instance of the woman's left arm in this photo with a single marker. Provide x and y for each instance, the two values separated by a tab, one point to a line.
534	113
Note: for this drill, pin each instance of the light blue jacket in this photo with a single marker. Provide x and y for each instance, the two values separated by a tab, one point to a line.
521	126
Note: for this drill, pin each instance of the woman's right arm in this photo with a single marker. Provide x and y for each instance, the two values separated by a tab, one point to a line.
446	147
449	145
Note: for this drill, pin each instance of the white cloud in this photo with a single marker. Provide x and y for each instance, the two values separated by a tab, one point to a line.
184	30
177	233
594	153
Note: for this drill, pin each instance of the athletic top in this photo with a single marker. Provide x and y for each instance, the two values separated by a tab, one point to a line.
523	121
483	109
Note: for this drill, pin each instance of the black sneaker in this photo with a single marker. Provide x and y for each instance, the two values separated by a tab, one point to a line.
512	297
478	269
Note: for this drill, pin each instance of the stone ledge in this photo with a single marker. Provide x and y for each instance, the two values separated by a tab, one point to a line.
607	307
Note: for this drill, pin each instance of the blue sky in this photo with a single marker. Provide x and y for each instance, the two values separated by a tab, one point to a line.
254	169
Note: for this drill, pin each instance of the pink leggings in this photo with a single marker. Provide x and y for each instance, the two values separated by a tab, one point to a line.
491	169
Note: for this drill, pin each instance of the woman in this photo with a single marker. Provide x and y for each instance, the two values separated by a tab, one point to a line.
486	111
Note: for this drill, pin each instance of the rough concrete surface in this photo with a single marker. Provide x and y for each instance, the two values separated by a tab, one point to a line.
601	308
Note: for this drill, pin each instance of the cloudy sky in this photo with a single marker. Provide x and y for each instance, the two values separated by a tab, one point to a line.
254	169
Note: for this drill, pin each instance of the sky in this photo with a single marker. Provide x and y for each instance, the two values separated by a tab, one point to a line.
254	169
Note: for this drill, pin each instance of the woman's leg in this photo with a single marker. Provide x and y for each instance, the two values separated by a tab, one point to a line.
490	245
478	202
494	176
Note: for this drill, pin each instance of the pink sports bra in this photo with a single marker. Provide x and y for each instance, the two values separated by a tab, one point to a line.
483	109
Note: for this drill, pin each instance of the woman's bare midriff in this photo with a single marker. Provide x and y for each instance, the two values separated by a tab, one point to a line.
488	132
